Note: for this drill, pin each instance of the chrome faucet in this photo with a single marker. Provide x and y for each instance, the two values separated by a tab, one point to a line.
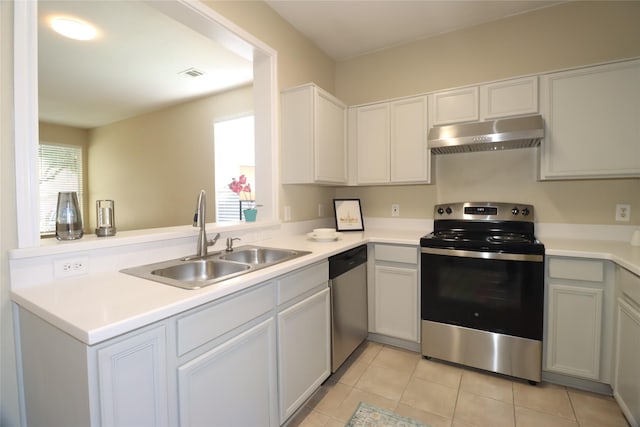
200	220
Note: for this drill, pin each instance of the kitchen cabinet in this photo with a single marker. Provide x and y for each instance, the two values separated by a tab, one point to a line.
313	137
228	362
304	336
591	118
390	142
579	318
394	293
504	98
66	383
454	106
132	380
626	385
513	97
233	384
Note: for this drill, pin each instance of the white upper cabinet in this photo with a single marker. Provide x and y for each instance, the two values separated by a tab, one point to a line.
391	142
372	144
313	137
592	119
506	98
454	106
410	156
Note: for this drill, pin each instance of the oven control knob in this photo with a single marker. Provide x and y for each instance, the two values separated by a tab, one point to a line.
525	212
448	210
515	211
440	211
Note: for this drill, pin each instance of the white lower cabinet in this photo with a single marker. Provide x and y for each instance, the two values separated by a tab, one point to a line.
579	318
121	382
304	358
248	359
394	293
132	380
233	384
575	325
626	385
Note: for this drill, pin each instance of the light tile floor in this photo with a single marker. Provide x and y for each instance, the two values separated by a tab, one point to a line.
440	394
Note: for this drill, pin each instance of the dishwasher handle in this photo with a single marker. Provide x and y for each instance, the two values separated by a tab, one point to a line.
348	260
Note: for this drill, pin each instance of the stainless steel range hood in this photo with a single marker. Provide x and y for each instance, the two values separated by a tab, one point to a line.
502	134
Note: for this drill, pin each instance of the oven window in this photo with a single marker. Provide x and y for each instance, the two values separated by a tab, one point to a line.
498	287
493	295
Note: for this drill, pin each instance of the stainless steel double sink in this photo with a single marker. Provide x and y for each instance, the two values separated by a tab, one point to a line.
196	273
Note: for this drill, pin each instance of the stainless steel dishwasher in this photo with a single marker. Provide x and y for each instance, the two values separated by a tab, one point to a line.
348	283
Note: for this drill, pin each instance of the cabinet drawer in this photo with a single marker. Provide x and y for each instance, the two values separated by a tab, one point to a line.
301	281
404	254
576	269
195	329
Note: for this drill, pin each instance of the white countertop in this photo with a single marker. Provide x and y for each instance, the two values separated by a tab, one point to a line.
100	306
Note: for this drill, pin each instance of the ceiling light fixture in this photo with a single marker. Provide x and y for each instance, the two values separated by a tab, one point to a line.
73	28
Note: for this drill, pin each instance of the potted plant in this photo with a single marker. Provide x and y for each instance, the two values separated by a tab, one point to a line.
242	188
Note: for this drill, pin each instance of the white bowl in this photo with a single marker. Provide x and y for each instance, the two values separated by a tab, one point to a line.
324	232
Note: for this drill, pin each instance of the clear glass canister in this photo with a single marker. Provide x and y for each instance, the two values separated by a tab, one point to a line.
105	218
68	217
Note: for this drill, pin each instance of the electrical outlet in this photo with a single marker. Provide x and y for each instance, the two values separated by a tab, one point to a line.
395	209
320	210
287	213
623	212
71	267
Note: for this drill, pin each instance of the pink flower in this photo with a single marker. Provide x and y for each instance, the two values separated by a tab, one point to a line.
241	186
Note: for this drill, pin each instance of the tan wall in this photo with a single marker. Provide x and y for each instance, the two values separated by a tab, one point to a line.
154	165
299	62
568	35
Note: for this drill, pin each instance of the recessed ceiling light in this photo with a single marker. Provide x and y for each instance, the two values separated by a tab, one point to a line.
73	28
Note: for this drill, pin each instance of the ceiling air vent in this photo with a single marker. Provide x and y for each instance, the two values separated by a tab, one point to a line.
191	73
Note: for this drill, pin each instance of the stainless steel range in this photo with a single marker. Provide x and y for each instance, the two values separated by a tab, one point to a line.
482	288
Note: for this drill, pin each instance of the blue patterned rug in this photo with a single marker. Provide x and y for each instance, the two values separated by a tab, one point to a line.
370	416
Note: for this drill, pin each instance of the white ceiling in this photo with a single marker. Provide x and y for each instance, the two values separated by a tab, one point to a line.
348	28
131	68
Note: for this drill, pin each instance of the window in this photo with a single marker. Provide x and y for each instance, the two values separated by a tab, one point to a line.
60	170
234	156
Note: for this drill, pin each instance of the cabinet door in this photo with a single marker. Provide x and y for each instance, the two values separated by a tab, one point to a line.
233	384
304	339
396	302
297	133
313	136
372	144
506	98
592	127
454	106
410	157
330	140
132	377
574	330
627	372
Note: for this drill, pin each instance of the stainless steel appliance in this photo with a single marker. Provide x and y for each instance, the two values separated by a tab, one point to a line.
348	283
482	288
501	134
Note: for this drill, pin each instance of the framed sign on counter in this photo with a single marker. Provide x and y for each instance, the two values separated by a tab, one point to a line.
348	215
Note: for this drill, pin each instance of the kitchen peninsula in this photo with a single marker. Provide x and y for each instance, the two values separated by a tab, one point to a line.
100	313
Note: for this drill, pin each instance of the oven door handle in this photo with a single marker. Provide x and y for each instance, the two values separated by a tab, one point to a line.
483	255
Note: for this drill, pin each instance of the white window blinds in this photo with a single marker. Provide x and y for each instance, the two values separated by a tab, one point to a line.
60	170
